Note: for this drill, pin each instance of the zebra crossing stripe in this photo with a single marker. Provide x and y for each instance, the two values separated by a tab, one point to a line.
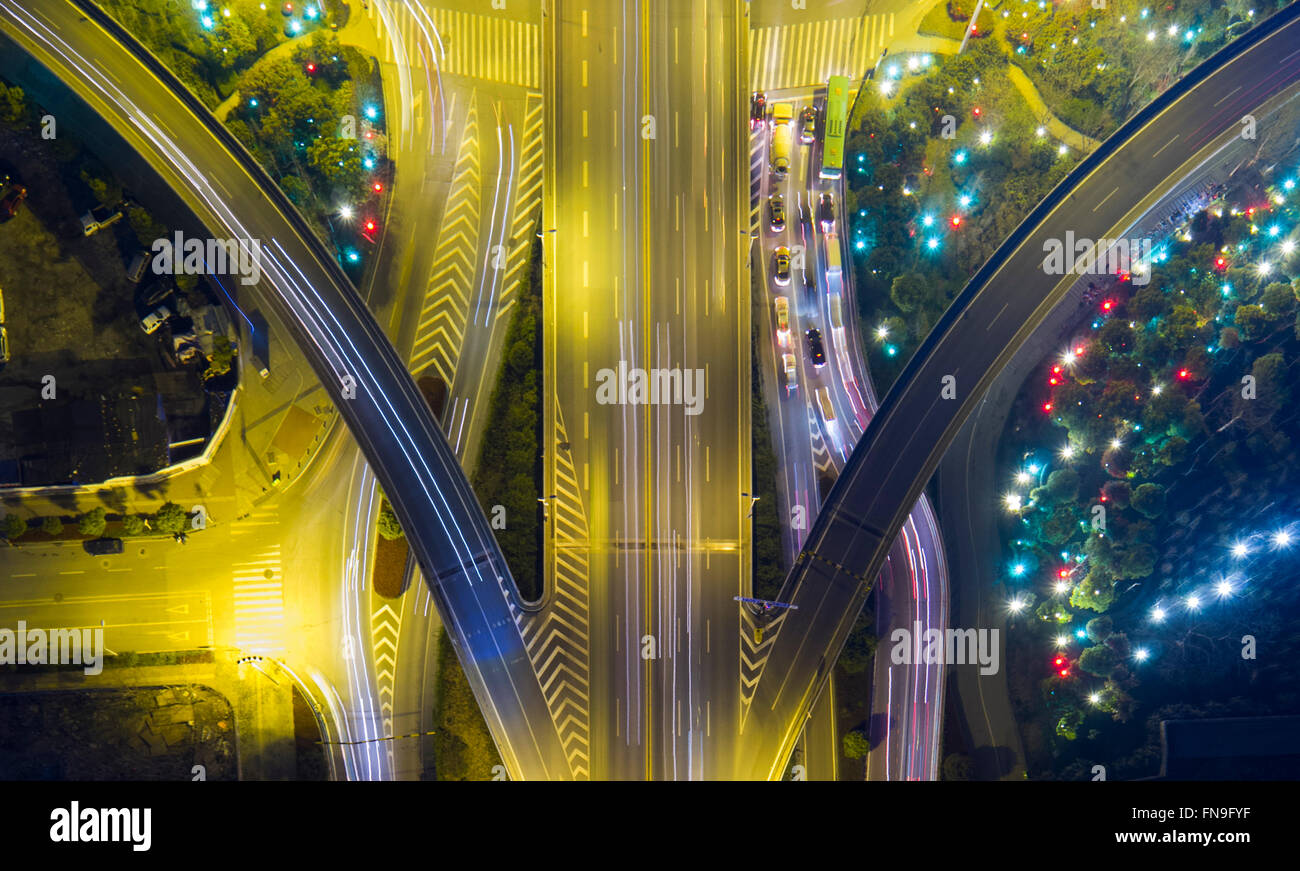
810	52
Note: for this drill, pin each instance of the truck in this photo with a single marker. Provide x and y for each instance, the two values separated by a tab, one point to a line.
99	218
826	406
782	138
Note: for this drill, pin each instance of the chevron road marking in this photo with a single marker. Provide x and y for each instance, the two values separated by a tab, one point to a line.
558	638
385	629
446	299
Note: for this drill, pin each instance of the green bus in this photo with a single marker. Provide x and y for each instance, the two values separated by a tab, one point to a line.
837	115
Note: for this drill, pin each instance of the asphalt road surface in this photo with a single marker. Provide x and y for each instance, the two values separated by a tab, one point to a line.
906	440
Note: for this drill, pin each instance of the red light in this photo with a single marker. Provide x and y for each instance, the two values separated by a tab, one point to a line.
379	188
1250	211
956	220
1065	672
1183	373
370	226
1107	306
1053	381
1047	406
1078	352
1065	573
1220	262
311	68
976	111
1059	661
1056	370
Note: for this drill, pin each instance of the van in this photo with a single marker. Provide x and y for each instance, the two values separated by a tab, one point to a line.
135	271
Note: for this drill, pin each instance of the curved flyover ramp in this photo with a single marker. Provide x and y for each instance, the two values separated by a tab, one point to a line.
234	198
999	308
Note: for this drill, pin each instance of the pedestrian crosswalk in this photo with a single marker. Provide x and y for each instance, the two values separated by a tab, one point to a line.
259	603
810	52
483	45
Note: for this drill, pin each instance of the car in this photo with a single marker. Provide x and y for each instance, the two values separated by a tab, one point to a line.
826	211
816	351
776	212
757	109
155	319
102	546
807	125
781	265
12	199
783	319
4	345
791	372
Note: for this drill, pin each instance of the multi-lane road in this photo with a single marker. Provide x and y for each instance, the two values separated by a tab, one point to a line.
647	273
1002	306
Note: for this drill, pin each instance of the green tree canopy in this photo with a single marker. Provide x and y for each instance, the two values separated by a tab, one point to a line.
856	745
1149	500
389	526
14	526
93	522
171	519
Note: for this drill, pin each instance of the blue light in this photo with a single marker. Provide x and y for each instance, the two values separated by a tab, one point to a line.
1080	633
959	158
1289	184
1018	569
860	245
253	102
964	200
312	12
1274	230
932	244
927	221
208	23
353	256
890	350
372	113
295	26
368	163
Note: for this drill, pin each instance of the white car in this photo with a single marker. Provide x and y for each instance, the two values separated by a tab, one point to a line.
152	321
791	372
